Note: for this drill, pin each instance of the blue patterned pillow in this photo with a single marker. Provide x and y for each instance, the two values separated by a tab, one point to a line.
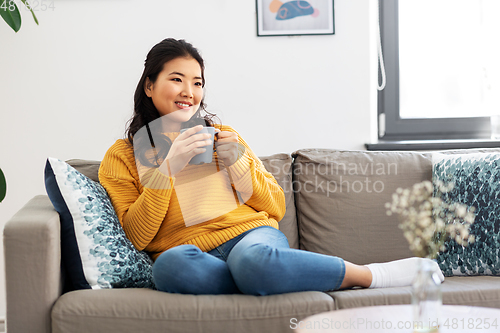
476	179
94	249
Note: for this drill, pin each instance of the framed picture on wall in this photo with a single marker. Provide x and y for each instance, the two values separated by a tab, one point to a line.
286	18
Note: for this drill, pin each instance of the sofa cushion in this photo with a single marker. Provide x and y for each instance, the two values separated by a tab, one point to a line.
280	165
341	196
95	251
87	167
473	291
143	310
476	179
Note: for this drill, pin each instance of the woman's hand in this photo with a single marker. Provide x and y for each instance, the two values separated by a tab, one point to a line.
184	148
227	146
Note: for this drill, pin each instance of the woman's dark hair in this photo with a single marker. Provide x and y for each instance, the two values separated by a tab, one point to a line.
144	110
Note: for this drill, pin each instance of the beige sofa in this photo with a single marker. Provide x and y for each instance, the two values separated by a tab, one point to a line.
335	205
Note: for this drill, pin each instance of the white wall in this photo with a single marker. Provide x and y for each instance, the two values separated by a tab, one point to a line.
66	86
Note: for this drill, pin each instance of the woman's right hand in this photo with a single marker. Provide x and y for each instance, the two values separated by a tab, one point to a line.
183	149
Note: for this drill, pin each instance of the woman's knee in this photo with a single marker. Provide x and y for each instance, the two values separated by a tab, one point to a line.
251	270
176	255
172	267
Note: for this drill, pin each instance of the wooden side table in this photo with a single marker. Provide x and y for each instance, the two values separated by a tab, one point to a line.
398	319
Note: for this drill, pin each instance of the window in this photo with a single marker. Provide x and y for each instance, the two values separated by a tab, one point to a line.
442	69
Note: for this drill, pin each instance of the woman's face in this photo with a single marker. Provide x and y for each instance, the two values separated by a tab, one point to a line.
177	92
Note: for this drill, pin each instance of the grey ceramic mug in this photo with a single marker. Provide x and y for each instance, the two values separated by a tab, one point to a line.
205	157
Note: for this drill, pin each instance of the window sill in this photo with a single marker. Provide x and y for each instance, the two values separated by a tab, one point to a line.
433	144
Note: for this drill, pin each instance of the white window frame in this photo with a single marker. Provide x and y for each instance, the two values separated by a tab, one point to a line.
392	126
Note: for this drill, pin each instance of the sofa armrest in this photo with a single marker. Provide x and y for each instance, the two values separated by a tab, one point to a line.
32	249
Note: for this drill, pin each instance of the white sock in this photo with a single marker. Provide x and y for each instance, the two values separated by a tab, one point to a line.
398	273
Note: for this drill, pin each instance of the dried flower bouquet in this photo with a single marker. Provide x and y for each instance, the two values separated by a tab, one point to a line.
428	219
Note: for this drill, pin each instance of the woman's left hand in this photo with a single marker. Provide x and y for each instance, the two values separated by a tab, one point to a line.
227	146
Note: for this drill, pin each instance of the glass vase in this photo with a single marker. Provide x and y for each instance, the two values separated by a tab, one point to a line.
426	298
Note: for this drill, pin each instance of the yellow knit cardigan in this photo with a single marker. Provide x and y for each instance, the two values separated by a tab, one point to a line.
204	205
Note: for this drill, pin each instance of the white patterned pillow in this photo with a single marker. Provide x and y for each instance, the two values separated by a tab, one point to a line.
95	251
476	179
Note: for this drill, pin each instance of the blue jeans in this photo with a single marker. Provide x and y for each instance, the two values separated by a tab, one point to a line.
257	262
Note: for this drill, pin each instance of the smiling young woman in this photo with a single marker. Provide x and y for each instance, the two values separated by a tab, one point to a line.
234	245
177	92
